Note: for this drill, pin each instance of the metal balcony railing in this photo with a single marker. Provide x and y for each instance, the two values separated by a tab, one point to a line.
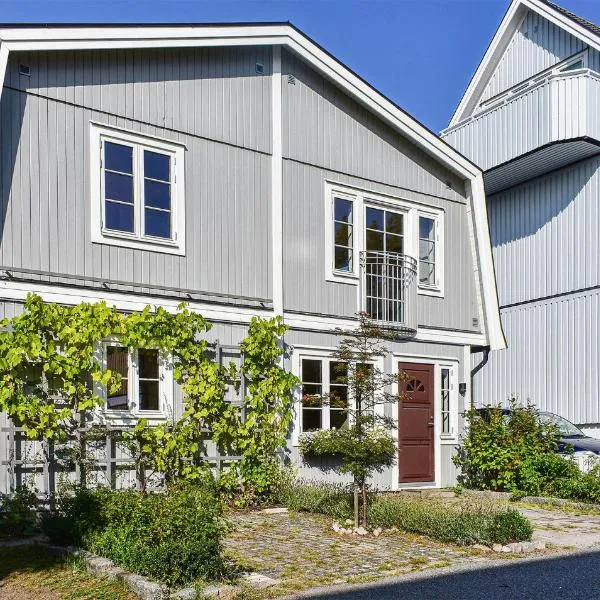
388	283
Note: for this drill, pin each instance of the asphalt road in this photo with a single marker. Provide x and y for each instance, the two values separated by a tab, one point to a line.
566	577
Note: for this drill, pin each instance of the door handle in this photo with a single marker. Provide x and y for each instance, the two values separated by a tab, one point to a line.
430	424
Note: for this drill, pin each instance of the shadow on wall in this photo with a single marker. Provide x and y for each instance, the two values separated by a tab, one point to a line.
520	212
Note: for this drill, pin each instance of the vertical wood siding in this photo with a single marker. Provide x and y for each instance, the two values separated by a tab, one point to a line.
322	126
545	234
44	180
536	46
552	357
561	108
208	92
305	288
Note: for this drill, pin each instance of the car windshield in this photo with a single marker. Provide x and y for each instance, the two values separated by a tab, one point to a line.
565	428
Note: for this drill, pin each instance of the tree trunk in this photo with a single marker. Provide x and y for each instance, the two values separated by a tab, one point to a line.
355	502
364	503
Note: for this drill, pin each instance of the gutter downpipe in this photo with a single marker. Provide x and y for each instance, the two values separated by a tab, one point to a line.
477	368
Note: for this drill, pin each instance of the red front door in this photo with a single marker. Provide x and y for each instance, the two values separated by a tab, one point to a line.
415	424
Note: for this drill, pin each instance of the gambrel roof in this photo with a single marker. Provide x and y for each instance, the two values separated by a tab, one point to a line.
580	28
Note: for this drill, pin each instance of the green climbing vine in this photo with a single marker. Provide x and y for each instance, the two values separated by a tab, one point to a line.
50	375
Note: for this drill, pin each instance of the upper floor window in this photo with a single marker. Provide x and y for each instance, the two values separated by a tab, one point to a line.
427	274
146	385
137	191
343	224
367	227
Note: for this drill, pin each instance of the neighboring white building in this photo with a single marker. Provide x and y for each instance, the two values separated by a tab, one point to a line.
530	118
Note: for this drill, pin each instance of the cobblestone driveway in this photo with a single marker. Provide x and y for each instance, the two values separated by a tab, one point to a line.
302	551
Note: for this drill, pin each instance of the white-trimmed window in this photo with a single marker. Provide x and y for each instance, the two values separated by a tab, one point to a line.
137	191
448	401
146	388
358	220
324	398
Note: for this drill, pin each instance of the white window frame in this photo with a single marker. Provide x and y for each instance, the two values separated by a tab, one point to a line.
325	355
133	412
99	234
437	288
362	199
452	435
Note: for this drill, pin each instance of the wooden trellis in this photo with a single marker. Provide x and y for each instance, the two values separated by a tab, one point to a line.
92	458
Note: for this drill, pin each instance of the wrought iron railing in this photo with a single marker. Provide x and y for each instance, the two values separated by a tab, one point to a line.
389	290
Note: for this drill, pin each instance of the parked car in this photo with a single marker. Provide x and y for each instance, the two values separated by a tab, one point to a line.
586	449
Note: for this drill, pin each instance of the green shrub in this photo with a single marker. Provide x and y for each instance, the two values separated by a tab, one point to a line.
496	448
172	537
469	522
18	512
327	499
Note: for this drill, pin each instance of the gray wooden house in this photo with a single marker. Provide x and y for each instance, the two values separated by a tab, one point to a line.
530	120
245	170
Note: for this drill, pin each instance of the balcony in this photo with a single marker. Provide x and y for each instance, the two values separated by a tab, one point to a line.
544	124
388	291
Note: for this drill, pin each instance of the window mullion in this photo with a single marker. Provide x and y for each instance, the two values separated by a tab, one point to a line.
139	183
325	416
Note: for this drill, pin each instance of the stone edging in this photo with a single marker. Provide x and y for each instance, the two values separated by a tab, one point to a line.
142	587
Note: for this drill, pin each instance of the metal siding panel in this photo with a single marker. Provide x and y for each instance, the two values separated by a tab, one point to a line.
540	229
536	46
552	358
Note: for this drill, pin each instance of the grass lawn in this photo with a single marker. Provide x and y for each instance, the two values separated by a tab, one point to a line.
35	572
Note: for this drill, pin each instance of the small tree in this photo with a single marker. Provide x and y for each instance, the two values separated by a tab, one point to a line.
366	444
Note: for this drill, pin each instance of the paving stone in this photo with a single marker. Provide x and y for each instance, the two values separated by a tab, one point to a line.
144	588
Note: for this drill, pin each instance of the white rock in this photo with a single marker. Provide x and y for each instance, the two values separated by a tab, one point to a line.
527	547
275	511
506	549
336	527
349	522
497	547
377	532
538	545
257	580
185	594
516	547
361	531
481	547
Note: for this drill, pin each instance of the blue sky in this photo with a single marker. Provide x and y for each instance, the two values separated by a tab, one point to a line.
420	53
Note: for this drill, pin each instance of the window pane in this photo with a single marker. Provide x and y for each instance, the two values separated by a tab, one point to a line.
157	166
393	222
343	259
118	217
394	243
118	157
445	379
374	240
157	223
148	395
343	210
117	361
311	420
312	395
374	219
426	250
311	371
338	419
157	194
338	372
426	273
118	187
343	234
426	228
148	363
338	396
